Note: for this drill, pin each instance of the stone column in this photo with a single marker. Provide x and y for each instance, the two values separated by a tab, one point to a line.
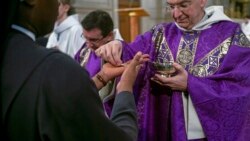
157	13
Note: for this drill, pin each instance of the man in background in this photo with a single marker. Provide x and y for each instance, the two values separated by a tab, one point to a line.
66	35
98	29
245	26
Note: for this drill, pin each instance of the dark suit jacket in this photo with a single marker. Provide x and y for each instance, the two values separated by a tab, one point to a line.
46	95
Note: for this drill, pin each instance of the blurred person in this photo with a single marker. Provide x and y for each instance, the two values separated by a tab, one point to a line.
246	26
39	101
66	35
207	94
98	29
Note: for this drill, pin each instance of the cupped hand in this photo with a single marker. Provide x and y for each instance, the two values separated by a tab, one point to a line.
176	82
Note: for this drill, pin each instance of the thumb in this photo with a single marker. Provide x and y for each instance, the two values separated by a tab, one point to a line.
137	58
138	67
178	67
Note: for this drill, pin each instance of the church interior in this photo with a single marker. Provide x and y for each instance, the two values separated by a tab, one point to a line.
134	17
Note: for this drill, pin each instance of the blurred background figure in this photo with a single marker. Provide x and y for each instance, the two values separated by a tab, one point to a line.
67	32
245	26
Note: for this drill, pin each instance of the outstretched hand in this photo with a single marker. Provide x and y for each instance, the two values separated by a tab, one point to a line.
130	73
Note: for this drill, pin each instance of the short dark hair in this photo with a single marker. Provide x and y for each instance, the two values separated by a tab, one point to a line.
98	19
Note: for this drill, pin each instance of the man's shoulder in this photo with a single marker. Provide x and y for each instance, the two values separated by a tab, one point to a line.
163	26
227	24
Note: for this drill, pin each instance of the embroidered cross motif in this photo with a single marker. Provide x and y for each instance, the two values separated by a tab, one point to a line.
213	61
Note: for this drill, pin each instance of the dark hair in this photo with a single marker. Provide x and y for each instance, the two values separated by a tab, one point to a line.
98	19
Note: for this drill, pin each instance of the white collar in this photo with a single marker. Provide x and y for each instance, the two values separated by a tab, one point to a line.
24	31
213	14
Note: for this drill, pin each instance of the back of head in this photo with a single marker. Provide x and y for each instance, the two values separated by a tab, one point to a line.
98	19
35	16
32	15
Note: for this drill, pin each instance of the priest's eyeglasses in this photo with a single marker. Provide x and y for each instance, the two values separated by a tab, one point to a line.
93	40
182	6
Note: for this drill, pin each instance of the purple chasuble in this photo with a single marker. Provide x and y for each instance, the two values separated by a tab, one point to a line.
93	65
218	63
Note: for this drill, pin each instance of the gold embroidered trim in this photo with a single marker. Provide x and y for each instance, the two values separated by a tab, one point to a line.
162	50
187	49
240	39
211	62
84	56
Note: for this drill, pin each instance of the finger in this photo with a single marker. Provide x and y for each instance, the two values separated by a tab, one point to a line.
163	78
116	54
138	67
101	52
157	81
178	67
98	51
144	58
136	59
126	63
109	56
134	65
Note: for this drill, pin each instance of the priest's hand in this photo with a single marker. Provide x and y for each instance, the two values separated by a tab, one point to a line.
176	82
109	71
111	52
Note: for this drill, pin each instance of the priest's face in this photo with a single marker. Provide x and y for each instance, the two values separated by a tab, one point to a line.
186	13
95	39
